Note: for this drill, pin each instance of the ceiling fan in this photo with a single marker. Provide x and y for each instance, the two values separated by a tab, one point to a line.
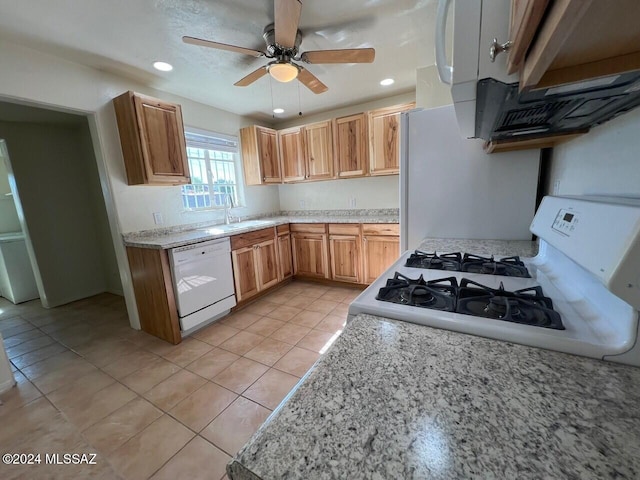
283	41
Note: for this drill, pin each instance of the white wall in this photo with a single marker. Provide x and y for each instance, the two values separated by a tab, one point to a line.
105	250
9	221
605	161
430	91
51	172
369	192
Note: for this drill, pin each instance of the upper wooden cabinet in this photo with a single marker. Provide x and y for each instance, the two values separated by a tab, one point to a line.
152	139
350	137
384	139
306	152
291	154
318	146
573	40
260	160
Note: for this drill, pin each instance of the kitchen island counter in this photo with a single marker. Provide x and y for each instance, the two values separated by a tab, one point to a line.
392	399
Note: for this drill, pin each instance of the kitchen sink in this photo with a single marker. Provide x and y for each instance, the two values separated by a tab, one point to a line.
222	229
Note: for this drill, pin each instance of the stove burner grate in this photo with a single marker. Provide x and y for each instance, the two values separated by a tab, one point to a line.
527	306
433	261
507	266
434	294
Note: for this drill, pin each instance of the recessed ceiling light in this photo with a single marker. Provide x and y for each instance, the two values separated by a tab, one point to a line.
278	110
163	66
387	81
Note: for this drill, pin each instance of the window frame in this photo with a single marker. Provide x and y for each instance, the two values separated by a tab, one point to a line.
232	147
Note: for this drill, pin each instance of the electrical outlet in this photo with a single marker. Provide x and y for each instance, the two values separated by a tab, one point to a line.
302	203
157	218
352	202
556	187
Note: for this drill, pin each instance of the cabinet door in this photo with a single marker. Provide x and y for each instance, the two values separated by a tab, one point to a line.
291	154
350	137
318	143
266	264
163	144
310	252
384	140
152	140
345	258
525	20
268	155
284	256
244	272
379	253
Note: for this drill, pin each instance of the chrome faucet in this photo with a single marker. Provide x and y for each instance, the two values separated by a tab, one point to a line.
228	205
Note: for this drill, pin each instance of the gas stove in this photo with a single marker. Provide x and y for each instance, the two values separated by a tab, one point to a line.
456	262
579	295
527	306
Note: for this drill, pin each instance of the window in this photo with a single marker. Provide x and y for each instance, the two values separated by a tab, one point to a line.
213	162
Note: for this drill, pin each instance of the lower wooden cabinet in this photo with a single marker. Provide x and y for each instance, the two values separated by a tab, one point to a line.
380	248
344	251
310	250
285	262
255	262
153	288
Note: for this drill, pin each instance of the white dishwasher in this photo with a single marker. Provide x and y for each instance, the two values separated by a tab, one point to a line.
202	282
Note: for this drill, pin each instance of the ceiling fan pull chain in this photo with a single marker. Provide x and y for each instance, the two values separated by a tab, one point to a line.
299	104
273	114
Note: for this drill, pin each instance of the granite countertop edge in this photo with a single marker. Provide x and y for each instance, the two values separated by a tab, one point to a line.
163	241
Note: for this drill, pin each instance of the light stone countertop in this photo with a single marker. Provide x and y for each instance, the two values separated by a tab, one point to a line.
395	400
499	248
168	238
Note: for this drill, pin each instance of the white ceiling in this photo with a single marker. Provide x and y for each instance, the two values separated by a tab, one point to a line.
126	36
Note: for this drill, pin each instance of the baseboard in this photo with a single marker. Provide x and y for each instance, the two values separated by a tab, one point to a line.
7	384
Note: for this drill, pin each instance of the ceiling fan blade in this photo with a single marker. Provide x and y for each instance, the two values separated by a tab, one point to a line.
222	46
287	17
252	77
349	55
310	81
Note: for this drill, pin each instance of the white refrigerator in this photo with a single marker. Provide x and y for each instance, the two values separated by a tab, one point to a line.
451	188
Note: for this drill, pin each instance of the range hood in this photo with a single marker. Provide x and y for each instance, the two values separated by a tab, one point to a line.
504	113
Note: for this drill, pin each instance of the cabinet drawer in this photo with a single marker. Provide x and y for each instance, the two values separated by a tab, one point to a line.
308	227
252	238
282	228
381	229
344	229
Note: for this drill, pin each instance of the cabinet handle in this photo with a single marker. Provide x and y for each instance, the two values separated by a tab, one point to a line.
264	179
497	48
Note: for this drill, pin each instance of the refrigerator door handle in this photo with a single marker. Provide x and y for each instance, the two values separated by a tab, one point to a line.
445	71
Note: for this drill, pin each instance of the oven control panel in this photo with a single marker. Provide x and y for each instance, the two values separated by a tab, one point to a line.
565	221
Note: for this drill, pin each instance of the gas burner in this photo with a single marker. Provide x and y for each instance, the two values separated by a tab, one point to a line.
434	294
433	261
507	266
527	306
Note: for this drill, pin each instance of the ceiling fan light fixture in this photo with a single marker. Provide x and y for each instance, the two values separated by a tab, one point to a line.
278	110
163	66
283	71
387	81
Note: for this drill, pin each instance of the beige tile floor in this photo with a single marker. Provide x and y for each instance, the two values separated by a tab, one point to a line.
88	383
